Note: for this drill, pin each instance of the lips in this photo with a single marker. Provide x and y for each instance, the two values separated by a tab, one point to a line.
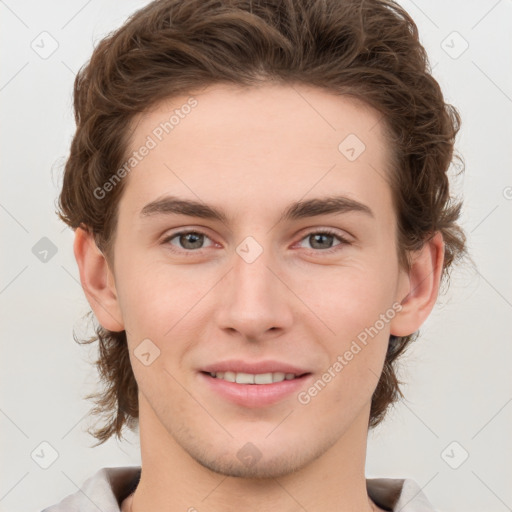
254	384
254	395
255	368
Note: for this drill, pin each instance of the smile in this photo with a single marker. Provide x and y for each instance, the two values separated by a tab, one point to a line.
254	390
251	378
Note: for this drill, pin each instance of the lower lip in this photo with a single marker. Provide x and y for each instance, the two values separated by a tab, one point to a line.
254	395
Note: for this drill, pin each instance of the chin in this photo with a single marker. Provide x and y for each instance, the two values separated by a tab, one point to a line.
263	468
258	460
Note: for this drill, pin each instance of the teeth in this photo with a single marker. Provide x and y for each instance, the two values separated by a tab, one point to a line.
263	378
244	378
251	378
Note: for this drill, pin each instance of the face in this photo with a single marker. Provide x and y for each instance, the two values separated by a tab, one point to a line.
263	288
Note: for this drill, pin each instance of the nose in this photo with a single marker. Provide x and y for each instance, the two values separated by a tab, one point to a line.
255	299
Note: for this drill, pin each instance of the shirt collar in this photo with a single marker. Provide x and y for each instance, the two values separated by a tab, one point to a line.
109	486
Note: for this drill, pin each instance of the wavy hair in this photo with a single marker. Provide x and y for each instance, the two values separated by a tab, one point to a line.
367	49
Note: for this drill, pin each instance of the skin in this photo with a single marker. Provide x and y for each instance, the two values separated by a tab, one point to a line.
252	152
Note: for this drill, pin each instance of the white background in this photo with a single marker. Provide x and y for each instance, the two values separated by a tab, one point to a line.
459	370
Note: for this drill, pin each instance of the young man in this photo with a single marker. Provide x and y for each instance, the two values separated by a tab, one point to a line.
263	220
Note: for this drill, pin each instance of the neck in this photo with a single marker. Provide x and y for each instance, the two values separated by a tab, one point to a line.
171	480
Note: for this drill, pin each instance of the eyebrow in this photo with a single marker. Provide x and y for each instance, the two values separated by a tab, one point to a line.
169	205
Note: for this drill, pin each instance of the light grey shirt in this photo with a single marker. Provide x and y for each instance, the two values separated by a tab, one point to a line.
108	487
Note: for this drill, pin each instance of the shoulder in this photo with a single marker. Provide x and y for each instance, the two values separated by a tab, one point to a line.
398	494
104	490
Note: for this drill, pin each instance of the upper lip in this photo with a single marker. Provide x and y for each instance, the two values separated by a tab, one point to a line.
238	366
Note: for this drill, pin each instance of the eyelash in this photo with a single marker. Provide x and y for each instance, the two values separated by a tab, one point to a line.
190	252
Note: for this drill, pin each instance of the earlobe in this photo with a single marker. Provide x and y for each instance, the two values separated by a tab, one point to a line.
424	279
97	281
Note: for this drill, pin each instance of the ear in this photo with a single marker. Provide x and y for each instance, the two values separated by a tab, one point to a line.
97	281
420	287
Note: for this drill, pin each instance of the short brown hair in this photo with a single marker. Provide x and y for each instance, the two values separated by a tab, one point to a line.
369	50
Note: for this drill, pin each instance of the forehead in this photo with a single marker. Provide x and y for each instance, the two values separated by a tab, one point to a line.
241	145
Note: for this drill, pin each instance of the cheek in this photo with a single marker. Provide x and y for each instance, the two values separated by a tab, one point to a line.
153	297
355	352
349	299
356	306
